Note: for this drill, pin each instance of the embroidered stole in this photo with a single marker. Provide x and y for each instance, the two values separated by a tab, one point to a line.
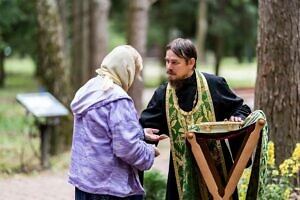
189	181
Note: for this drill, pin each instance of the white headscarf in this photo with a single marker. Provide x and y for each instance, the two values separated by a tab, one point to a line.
120	66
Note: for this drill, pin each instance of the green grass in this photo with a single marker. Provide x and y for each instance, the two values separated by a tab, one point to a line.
19	66
19	79
19	136
19	141
238	75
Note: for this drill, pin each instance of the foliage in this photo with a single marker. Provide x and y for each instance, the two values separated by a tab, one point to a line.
116	37
182	15
117	23
235	22
168	19
155	185
19	134
18	26
281	181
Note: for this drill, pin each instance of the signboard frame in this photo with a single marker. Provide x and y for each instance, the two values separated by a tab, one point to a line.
43	105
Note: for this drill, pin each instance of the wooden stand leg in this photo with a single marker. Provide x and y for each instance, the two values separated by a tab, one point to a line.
44	146
205	171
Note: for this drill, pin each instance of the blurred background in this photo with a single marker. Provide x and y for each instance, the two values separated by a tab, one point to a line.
56	45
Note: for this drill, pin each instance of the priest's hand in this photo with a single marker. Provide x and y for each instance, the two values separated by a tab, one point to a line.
234	119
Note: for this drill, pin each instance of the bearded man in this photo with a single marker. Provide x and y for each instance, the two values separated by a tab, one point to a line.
190	97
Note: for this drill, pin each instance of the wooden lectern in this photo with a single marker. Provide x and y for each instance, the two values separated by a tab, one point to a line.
222	131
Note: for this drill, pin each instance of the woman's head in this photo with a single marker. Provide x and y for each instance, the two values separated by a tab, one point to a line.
122	65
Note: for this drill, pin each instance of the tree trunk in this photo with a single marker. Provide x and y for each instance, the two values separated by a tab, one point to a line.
218	54
76	66
99	10
62	8
85	33
137	37
51	48
201	30
80	44
219	41
2	72
52	59
90	38
164	13
277	90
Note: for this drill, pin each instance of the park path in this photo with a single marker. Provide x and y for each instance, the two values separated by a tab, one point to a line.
53	185
47	185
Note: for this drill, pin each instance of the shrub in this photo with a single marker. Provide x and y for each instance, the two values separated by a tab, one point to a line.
155	185
281	181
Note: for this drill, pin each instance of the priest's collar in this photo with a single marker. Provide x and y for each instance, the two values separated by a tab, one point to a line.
190	80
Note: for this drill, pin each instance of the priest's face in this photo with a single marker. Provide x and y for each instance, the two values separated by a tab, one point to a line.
178	68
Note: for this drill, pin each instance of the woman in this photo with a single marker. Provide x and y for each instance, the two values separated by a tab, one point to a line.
108	147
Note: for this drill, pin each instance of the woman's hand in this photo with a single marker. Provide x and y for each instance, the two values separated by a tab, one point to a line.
157	153
151	135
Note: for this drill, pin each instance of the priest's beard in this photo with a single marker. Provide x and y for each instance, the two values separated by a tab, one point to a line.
177	84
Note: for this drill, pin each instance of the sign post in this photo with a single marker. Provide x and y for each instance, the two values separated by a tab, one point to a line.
43	105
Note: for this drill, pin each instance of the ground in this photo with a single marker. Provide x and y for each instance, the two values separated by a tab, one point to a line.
47	185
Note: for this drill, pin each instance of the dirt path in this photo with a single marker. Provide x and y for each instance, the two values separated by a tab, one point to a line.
47	185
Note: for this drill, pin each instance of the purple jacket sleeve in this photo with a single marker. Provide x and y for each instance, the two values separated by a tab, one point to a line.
127	134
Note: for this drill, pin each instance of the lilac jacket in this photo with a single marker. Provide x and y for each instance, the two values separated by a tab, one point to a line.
107	148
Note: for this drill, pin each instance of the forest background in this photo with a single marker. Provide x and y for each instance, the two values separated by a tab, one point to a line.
56	45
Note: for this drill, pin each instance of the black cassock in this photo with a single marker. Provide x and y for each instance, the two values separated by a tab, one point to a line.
225	103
